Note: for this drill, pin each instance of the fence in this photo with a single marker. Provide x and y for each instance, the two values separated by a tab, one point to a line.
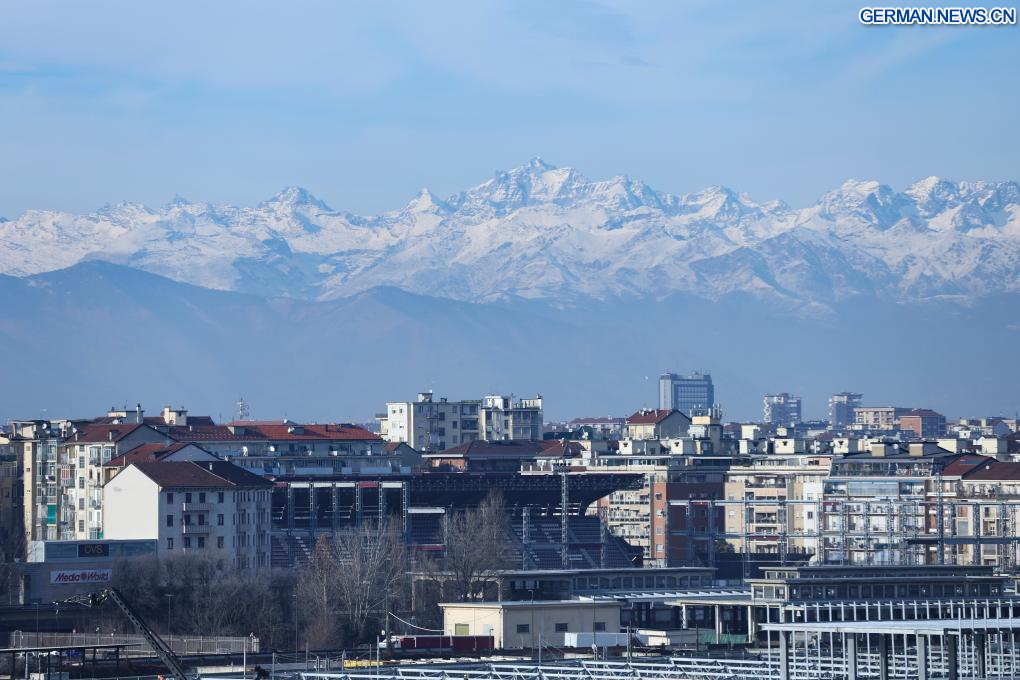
181	645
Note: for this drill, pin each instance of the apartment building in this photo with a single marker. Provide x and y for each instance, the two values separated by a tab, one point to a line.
80	460
11	494
671	516
874	508
657	424
923	423
842	408
974	513
288	447
878	418
35	445
773	505
428	424
691	394
781	409
209	508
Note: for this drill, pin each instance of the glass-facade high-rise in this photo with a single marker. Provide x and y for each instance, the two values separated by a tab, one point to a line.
842	408
690	394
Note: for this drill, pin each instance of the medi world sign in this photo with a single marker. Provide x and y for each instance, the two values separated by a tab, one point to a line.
81	576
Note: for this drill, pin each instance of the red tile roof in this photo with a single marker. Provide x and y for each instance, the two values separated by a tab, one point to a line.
312	431
964	464
195	474
207	433
102	432
147	453
649	416
994	471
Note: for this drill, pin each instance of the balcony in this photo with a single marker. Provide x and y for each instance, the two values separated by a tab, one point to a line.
195	529
196	507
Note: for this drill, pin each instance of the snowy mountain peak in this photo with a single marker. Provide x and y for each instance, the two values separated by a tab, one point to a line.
294	197
176	201
426	202
541	231
536	164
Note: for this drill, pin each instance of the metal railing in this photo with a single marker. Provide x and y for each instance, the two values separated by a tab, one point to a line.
182	645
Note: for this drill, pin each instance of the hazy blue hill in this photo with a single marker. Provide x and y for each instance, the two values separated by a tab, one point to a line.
83	338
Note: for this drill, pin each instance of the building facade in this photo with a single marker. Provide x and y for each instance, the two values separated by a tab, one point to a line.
781	409
204	508
427	424
691	394
878	418
657	424
842	409
923	423
773	506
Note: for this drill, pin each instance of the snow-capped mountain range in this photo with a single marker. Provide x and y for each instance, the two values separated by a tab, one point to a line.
539	231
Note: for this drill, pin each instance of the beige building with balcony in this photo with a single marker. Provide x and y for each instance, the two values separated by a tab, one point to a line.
773	506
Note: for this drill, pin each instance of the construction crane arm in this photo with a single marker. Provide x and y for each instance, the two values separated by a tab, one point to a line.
154	641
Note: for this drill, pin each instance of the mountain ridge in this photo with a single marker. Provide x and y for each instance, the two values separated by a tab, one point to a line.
539	231
90	327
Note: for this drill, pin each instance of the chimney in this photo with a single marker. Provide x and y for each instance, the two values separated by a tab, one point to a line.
138	413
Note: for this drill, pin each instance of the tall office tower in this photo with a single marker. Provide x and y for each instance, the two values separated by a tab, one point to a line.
782	409
841	409
691	394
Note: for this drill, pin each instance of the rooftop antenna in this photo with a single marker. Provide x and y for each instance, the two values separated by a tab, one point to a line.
243	409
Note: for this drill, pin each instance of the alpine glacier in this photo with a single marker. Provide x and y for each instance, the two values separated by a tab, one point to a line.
543	232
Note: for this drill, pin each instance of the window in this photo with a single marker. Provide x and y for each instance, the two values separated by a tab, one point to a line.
201	542
81	525
600	626
201	497
81	503
169	497
219	497
169	520
81	461
187	541
523	628
201	519
219	541
461	629
187	497
81	482
561	628
219	520
187	520
169	544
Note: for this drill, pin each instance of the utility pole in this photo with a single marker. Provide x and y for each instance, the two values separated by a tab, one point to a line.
169	601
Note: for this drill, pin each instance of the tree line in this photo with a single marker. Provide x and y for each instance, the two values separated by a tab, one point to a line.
340	597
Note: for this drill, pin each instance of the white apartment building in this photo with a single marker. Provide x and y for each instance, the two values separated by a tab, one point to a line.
427	424
209	508
881	418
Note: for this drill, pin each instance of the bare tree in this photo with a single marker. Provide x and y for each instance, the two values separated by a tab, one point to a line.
351	580
479	545
371	573
317	595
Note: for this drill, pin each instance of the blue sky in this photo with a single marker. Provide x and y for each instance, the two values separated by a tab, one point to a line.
364	103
